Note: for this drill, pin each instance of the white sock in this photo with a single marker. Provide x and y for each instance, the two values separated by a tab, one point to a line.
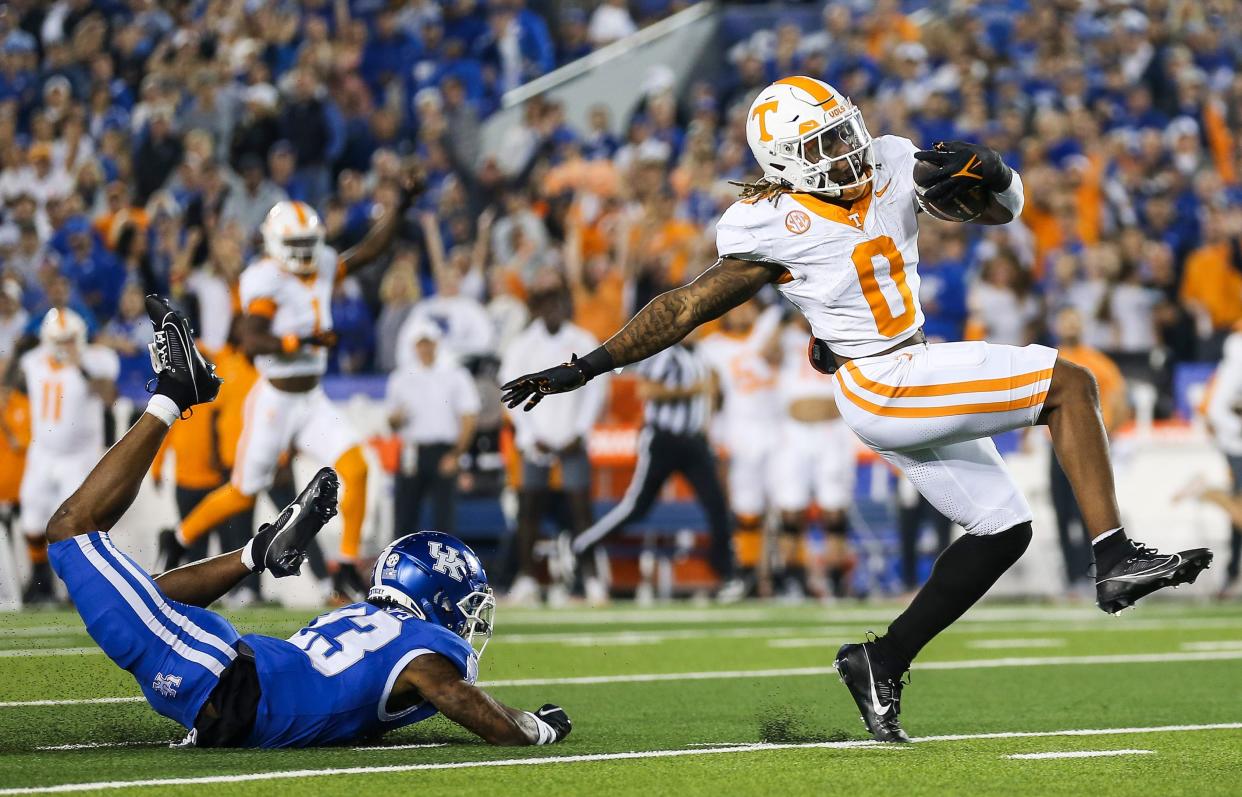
1105	536
164	408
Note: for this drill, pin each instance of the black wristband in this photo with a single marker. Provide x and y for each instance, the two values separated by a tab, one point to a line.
1006	176
596	363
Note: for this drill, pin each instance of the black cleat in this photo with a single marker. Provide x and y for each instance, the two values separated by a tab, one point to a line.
877	693
279	547
348	585
1146	571
39	590
182	373
171	553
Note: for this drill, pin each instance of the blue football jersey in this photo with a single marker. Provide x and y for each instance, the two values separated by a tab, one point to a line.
330	682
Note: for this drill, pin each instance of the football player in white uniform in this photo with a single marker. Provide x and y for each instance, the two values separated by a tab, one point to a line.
745	357
71	385
816	464
287	330
833	224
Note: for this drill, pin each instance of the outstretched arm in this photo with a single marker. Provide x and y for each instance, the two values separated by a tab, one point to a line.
665	320
383	231
433	678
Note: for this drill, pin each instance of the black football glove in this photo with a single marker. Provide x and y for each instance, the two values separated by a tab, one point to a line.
553	723
962	166
531	388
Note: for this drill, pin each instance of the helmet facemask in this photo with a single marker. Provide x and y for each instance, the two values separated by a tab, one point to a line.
299	254
835	160
479	609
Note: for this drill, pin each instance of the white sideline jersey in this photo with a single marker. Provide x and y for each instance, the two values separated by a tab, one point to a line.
851	272
65	416
297	306
798	378
747	379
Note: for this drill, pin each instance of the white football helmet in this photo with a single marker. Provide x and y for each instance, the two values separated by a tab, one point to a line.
293	236
807	135
62	330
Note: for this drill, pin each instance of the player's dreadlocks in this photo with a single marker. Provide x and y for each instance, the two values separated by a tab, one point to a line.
761	189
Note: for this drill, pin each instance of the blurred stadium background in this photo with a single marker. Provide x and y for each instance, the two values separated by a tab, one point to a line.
587	148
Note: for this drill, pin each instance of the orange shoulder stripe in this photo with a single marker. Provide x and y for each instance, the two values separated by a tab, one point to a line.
263	306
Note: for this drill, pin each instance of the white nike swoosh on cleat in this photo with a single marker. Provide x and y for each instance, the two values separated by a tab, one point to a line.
875	698
293	517
1176	563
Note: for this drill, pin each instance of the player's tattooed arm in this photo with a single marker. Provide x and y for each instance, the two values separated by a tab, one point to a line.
434	678
665	320
672	315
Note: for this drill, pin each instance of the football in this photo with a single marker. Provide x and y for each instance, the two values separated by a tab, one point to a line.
966	206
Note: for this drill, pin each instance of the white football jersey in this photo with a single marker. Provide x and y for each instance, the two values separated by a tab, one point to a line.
798	378
851	271
65	416
747	379
297	306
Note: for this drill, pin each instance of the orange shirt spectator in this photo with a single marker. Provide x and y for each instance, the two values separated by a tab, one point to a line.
1212	283
193	447
14	438
1112	384
239	376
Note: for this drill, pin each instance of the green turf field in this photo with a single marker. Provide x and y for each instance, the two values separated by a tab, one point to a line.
690	700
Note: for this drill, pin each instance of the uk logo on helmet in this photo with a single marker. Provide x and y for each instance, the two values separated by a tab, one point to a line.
448	561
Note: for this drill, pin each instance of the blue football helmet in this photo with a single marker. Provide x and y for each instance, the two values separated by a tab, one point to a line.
437	577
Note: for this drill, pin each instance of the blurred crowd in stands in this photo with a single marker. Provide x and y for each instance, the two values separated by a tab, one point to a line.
142	142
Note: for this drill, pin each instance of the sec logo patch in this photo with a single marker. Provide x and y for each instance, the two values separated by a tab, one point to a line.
797	222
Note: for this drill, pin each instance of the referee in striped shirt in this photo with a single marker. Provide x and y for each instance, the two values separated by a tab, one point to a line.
676	387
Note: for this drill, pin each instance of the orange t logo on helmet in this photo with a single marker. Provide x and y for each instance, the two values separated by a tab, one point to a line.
761	113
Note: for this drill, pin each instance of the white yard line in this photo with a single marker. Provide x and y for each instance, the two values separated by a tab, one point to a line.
786	672
1077	754
574	759
25	653
1017	642
1225	644
385	747
85	701
99	745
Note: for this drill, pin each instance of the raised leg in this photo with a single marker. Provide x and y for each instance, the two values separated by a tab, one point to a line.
1072	414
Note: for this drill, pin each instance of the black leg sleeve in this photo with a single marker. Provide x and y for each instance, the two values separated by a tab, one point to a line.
964	572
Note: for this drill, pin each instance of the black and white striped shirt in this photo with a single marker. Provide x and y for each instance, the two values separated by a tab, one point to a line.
676	368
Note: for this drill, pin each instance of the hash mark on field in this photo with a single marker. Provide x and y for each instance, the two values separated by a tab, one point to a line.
1078	754
1006	644
573	759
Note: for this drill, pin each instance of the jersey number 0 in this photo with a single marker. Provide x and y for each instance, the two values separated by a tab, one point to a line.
864	256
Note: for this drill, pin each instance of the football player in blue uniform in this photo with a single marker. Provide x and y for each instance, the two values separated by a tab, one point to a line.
401	656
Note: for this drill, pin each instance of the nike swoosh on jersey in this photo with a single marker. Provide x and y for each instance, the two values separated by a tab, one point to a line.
880	191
